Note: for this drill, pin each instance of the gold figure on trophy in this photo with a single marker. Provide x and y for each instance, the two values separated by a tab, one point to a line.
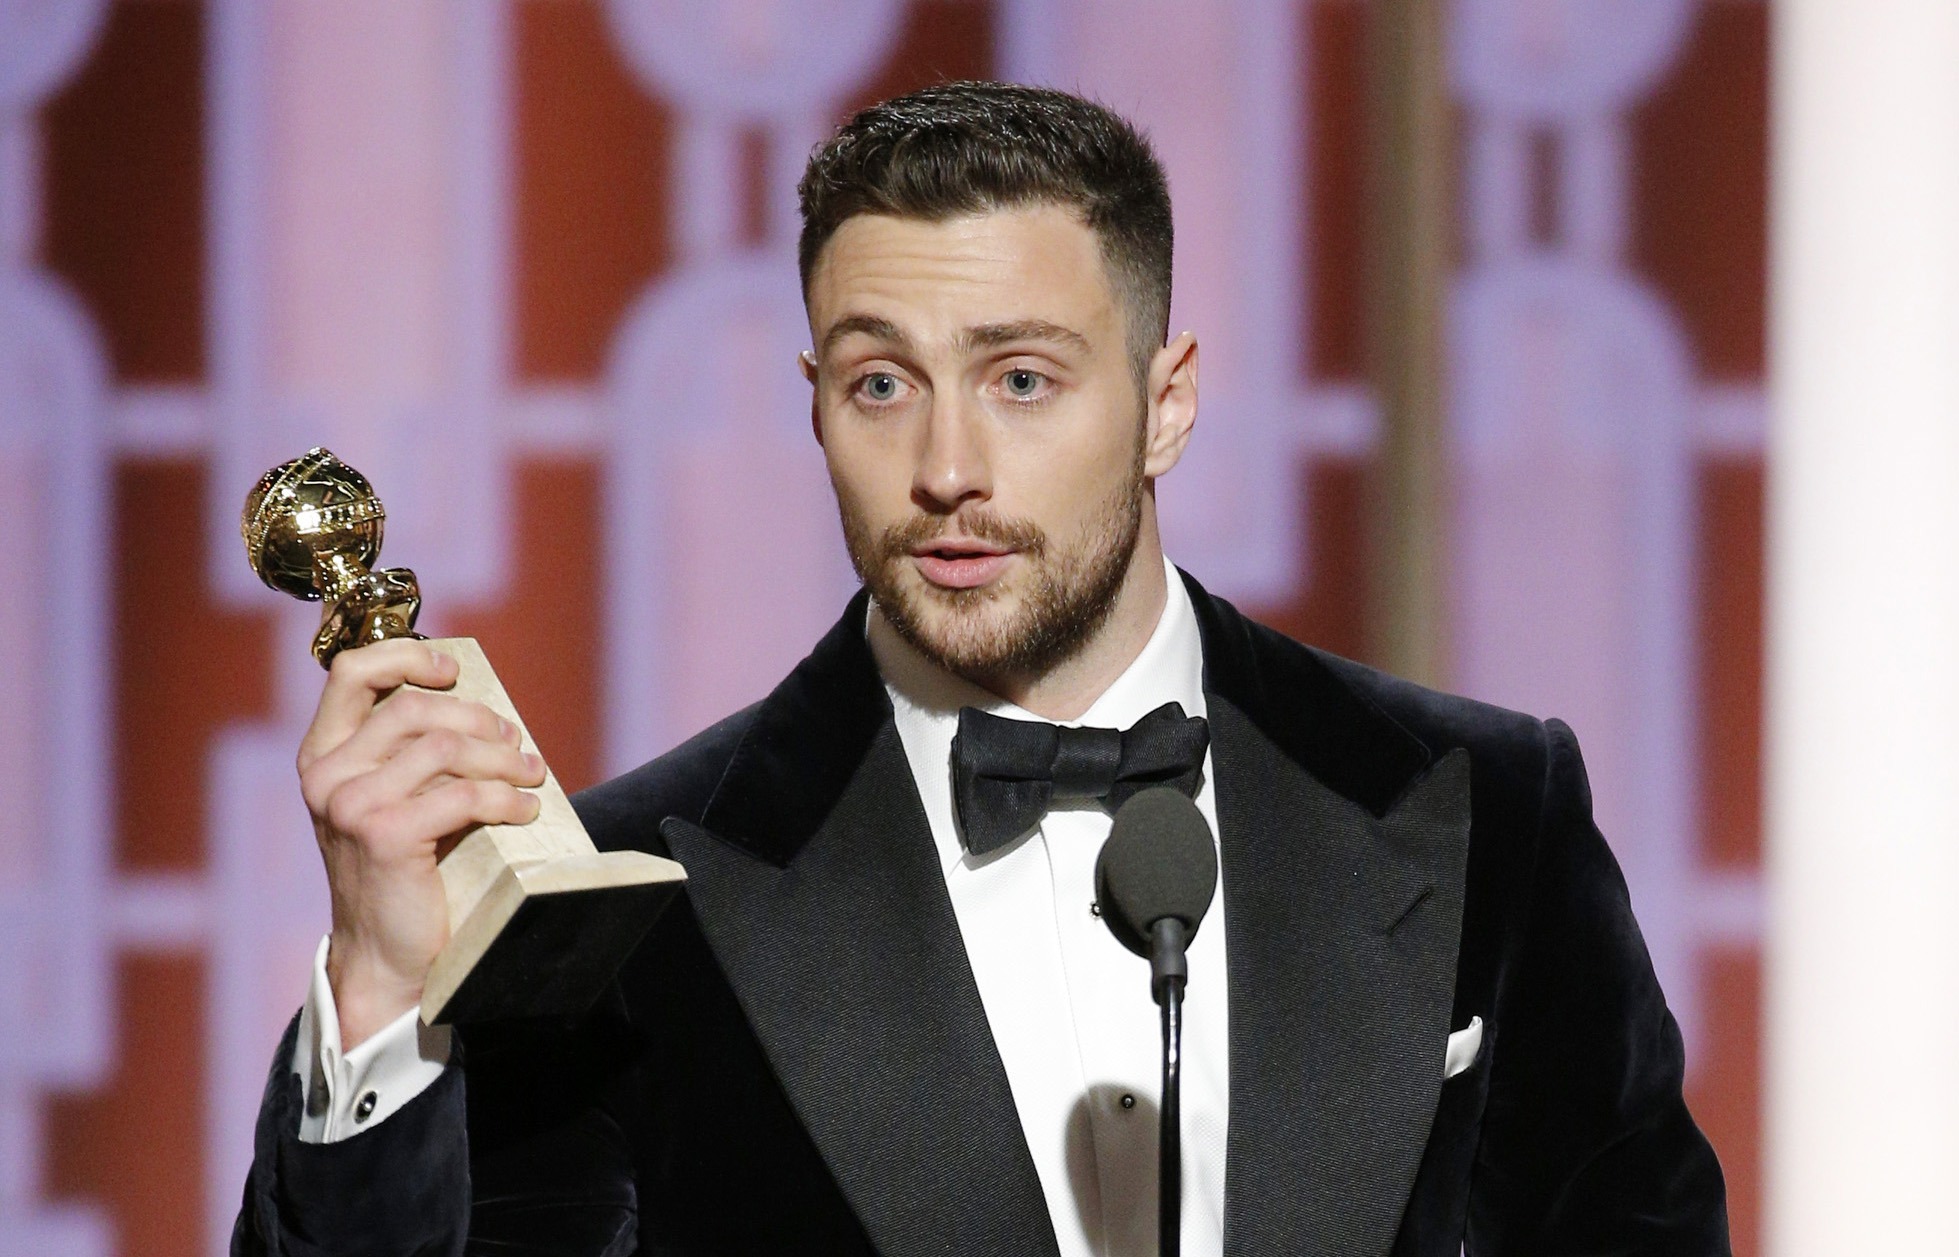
539	920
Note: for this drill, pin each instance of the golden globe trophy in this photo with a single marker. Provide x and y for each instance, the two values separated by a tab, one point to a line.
539	919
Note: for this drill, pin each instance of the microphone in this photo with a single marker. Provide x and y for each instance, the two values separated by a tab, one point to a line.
1154	881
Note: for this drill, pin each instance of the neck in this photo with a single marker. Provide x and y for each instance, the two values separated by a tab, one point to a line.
1067	690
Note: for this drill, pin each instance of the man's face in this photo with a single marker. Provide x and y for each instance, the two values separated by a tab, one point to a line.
984	431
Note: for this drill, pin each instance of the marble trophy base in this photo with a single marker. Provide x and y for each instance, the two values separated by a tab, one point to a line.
539	919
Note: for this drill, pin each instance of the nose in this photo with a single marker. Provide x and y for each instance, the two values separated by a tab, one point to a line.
953	466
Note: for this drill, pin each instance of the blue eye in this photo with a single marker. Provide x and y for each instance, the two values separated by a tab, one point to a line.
881	387
1022	383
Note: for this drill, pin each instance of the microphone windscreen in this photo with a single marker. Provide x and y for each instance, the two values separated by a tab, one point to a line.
1159	862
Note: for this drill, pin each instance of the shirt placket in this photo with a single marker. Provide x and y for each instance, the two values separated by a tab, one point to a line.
1115	1034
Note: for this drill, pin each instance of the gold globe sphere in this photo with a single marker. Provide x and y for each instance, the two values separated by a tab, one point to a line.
312	529
304	511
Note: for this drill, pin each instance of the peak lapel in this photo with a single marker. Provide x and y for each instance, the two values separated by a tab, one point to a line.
1342	931
1344	848
817	885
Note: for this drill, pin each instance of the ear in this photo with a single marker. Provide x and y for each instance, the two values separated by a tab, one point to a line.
806	362
1172	404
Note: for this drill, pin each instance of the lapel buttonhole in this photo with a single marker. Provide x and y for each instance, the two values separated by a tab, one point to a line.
1421	897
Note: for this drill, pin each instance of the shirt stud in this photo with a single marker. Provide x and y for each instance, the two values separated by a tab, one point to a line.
365	1109
1095	909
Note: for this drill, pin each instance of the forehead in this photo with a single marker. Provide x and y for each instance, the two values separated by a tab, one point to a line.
933	278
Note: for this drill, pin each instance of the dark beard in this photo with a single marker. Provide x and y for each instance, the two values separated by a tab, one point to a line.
1072	596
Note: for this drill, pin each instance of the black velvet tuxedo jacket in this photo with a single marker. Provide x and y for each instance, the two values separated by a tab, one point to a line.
796	1059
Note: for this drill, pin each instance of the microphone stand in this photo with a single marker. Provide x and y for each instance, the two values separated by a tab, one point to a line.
1155	877
1169	972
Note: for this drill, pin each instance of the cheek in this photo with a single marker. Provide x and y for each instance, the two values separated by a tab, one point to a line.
1087	464
1063	492
869	478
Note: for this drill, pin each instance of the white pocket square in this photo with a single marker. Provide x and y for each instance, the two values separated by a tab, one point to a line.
1463	1045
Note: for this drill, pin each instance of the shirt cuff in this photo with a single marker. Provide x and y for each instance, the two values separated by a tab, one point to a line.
346	1093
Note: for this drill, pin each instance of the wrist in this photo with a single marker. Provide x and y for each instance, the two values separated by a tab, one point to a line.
368	994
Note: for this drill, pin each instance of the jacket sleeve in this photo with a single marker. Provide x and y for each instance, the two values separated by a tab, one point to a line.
514	1150
401	1187
1587	1144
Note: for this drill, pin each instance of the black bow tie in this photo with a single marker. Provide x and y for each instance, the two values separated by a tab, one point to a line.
1006	773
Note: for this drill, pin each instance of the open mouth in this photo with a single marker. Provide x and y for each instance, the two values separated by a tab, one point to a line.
958	564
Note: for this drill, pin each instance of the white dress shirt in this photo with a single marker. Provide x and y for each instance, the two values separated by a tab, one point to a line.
1069	1006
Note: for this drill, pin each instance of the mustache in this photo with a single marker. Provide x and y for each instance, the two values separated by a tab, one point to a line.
995	530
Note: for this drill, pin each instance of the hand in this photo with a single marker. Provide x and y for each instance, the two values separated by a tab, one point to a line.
391	786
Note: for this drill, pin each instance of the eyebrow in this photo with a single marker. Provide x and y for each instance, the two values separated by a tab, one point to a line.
863	325
983	336
994	335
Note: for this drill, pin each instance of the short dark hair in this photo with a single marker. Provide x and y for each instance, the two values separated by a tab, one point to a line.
966	148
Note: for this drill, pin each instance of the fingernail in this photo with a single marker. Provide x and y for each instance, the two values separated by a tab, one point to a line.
506	729
533	761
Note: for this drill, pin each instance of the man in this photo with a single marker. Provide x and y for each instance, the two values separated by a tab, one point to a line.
884	1017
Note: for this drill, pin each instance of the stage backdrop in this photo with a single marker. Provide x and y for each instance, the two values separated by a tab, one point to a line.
529	264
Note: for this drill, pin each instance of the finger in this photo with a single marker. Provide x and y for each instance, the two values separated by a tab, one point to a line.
409	826
360	677
410	714
428	763
406	718
444	755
